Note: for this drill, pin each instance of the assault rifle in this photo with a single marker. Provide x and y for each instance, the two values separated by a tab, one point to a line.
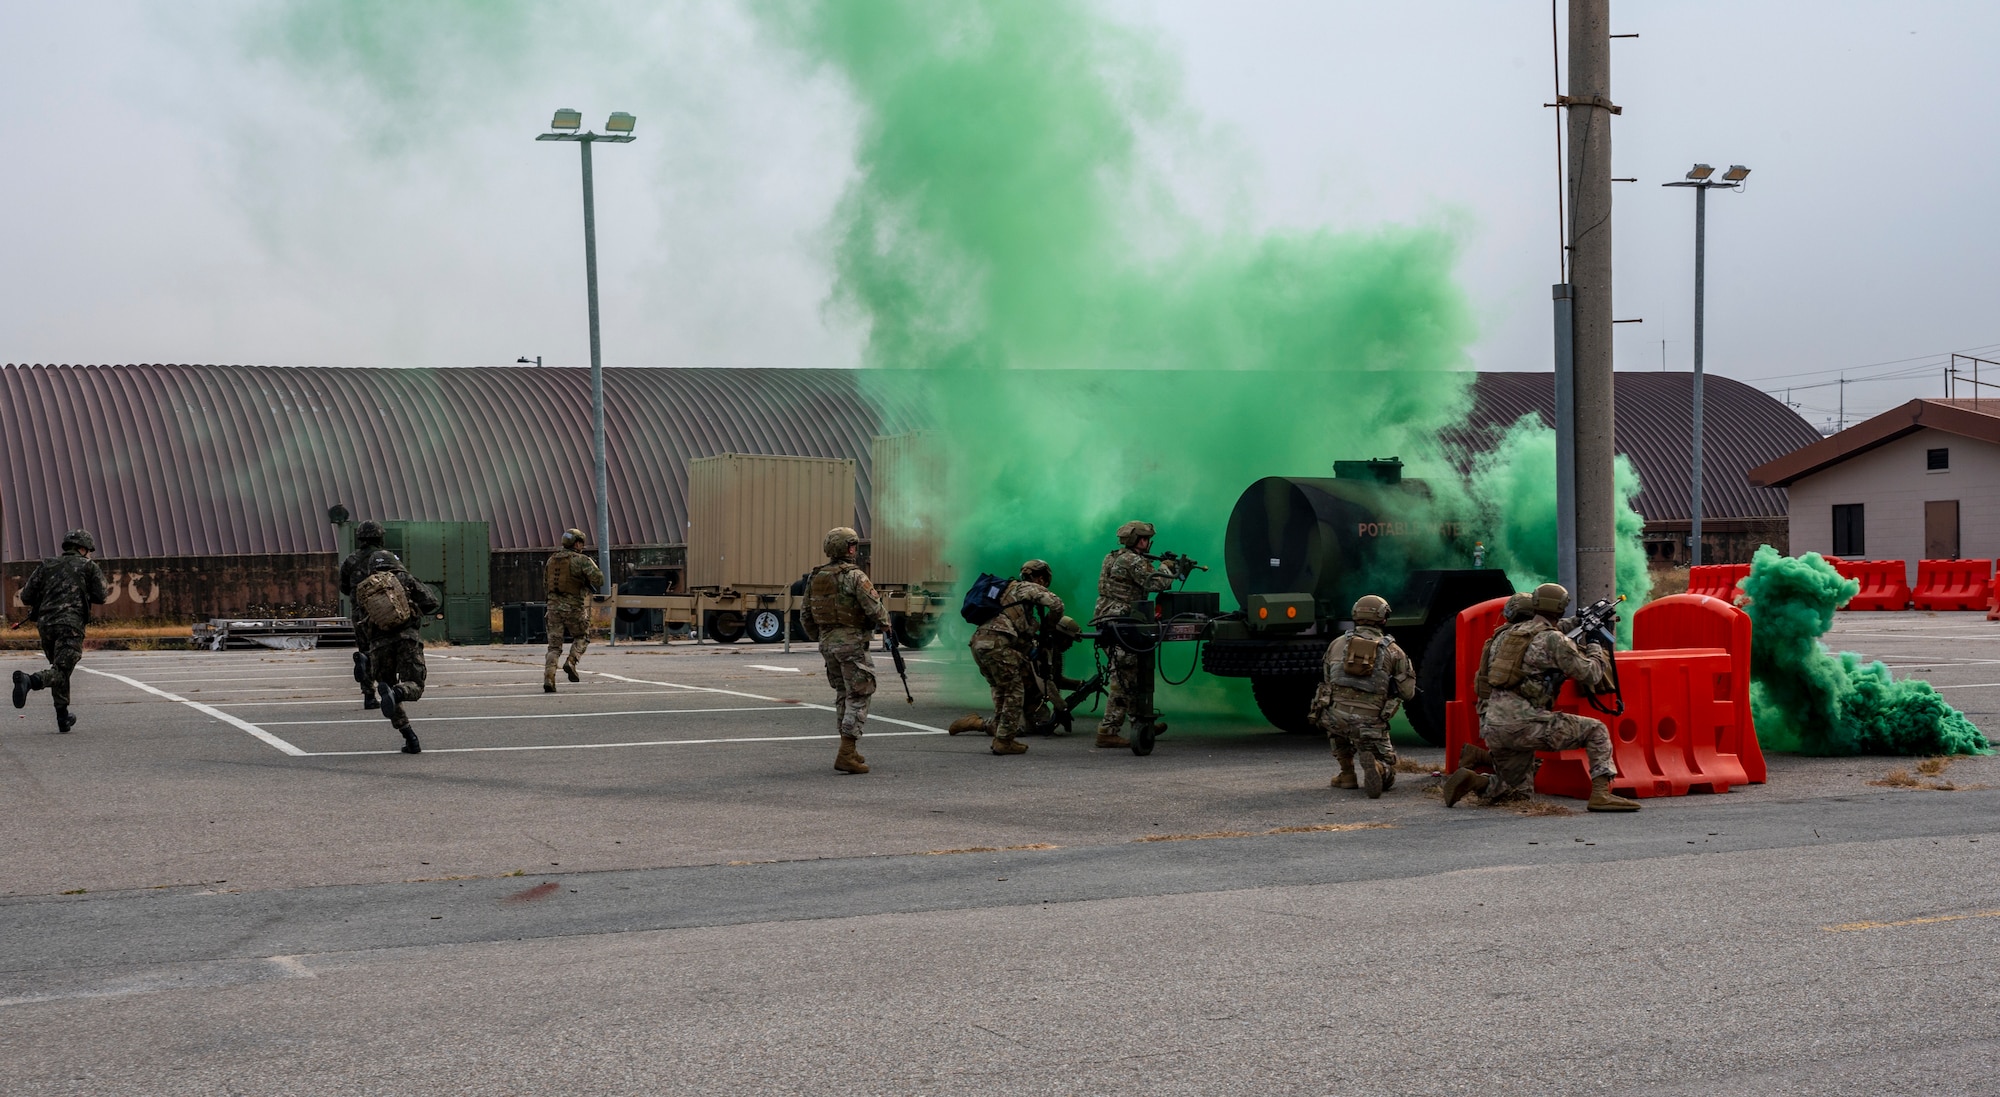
1064	713
896	657
1597	624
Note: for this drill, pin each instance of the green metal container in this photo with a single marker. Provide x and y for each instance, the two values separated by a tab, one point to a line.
455	558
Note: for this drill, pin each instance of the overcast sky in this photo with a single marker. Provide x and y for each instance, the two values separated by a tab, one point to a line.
173	198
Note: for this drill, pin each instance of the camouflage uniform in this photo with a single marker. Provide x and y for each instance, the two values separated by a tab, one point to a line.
571	577
1002	646
1127	578
59	594
842	611
1355	712
1046	683
352	571
1518	721
396	656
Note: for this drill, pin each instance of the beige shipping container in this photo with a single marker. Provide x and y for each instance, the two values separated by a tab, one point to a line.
907	540
757	521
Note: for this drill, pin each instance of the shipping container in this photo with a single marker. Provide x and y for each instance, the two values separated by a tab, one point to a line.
455	558
757	521
910	523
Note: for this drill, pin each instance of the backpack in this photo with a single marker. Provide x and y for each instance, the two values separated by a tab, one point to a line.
382	599
1360	661
983	599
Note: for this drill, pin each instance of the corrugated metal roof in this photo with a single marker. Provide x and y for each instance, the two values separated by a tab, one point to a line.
199	460
1741	429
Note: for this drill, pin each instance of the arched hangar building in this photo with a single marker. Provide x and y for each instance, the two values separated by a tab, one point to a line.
207	486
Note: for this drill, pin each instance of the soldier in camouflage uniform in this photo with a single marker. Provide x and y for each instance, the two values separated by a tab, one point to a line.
59	595
1526	666
1366	678
396	655
367	542
1472	755
842	612
1129	576
1002	645
1047	684
572	577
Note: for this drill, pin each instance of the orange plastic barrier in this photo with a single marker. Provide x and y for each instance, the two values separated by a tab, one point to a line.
1953	584
1690	621
1717	580
1686	725
1885	584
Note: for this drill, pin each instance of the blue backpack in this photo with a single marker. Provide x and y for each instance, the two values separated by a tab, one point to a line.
982	599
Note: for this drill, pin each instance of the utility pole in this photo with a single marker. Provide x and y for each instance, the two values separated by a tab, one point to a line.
1590	110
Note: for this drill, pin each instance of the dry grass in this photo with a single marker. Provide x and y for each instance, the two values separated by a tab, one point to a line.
1317	828
1668	581
1410	765
984	849
1539	807
1931	767
1195	837
1321	828
1898	778
1927	777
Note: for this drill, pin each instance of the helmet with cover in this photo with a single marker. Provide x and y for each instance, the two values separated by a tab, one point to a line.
838	540
1371	609
1131	533
1038	571
369	533
79	539
1549	598
573	538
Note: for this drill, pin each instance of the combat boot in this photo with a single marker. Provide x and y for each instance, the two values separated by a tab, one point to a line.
64	722
1345	778
1472	756
1388	776
387	693
1371	778
22	684
1602	799
1461	782
410	744
847	761
1111	739
1007	744
570	670
968	724
370	703
548	687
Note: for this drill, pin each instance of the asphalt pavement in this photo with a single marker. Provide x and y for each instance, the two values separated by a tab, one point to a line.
227	880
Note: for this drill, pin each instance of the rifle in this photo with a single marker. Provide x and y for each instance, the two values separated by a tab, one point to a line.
1596	624
896	656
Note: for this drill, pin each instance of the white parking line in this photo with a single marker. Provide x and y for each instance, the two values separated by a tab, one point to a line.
429	697
205	710
872	717
349	676
547	715
604	746
765	666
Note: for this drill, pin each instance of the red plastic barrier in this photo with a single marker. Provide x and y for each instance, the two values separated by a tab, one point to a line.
1686	724
1953	584
1717	580
1692	621
1885	584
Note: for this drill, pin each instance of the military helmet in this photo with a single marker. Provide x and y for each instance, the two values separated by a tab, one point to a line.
1038	568
1131	533
370	533
383	560
80	538
1549	598
838	540
571	538
1371	609
1068	627
1516	608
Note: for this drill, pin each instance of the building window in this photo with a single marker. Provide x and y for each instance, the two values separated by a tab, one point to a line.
1847	530
1937	460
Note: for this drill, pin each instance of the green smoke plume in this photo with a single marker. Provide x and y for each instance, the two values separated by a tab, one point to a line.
1808	699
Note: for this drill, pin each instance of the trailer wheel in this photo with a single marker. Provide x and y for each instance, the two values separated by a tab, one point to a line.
767	626
724	627
1285	700
913	633
1437	683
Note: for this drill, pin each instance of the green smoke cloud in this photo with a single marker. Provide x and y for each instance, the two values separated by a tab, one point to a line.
1808	699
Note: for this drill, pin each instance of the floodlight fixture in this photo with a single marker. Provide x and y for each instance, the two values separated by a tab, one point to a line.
1700	171
566	119
1736	173
619	122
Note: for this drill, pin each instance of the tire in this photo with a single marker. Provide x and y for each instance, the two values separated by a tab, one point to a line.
767	626
913	633
1437	683
1142	738
1285	700
724	627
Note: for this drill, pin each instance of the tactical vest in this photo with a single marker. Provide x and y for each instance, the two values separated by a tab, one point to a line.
1366	667
1508	669
828	608
562	576
1115	584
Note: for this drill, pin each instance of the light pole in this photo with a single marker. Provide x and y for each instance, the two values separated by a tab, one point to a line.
1698	178
536	361
618	130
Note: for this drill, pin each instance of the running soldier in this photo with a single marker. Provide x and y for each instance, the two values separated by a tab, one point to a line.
59	595
367	542
842	611
1129	576
1525	668
396	603
572	577
1001	646
1366	678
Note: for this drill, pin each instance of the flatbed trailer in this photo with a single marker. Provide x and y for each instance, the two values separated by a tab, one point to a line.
727	615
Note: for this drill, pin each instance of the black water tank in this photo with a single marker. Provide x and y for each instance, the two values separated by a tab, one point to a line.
1300	535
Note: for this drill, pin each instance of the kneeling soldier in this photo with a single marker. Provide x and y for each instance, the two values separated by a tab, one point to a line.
395	603
1367	677
1526	664
1001	647
842	611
